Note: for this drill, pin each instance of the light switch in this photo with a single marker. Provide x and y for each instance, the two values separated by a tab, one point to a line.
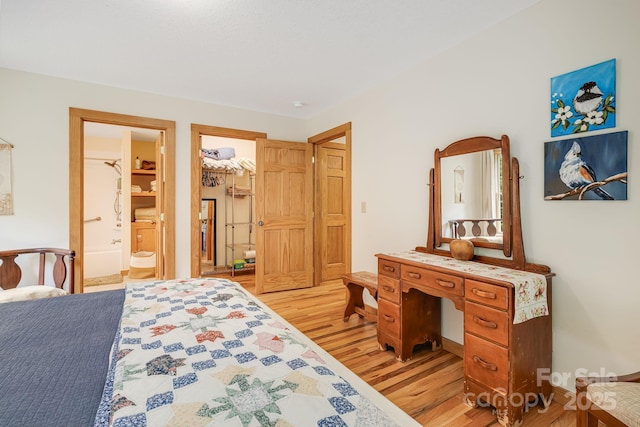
363	207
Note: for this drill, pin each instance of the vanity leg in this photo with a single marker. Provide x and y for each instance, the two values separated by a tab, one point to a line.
470	400
509	415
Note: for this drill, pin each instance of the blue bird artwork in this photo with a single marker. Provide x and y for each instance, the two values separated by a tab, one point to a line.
576	173
586	168
584	100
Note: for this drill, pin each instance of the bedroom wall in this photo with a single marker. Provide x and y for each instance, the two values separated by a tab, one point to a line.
498	83
34	116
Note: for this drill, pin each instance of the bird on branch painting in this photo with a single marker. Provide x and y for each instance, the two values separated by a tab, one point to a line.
577	173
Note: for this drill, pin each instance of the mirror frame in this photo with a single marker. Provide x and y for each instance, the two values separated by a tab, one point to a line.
473	145
513	246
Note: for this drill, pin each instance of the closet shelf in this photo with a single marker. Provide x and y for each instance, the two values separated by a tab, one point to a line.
237	245
143	172
144	194
233	224
234	242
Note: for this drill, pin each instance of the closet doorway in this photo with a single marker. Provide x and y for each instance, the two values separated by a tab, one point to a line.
158	236
332	198
228	206
230	183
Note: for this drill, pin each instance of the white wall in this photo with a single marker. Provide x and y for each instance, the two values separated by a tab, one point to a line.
498	83
103	238
34	116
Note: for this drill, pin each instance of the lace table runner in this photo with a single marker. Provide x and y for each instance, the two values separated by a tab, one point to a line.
530	288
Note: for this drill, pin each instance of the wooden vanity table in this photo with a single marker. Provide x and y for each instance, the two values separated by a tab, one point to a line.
506	301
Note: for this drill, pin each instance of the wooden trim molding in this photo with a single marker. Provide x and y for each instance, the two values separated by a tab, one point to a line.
453	347
77	117
331	134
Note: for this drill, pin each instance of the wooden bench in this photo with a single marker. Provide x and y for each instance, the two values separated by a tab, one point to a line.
356	283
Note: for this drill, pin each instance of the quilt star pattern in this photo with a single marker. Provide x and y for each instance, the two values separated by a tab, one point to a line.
203	352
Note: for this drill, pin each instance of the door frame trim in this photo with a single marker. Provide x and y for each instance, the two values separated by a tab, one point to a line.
198	131
77	117
319	139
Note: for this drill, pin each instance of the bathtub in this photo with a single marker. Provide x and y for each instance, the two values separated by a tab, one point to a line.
102	262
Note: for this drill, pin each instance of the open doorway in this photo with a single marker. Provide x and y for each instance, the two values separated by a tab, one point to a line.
228	179
332	198
131	172
120	189
231	185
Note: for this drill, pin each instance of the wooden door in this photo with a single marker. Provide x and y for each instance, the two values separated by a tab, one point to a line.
160	231
284	210
332	212
143	238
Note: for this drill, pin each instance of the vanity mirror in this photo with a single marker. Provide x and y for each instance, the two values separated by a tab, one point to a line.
473	196
471	176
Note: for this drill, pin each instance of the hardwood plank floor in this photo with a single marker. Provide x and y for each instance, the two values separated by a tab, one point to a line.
428	387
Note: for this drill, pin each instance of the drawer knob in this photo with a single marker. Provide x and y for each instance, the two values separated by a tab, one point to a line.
485	364
388	268
484	294
445	283
389	319
485	323
389	289
414	275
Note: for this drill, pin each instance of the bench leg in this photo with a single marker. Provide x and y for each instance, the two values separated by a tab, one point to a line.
354	299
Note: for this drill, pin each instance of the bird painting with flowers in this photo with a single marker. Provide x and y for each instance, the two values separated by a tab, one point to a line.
587	168
584	100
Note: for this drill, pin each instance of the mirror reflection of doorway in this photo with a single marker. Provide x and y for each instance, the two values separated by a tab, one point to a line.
208	225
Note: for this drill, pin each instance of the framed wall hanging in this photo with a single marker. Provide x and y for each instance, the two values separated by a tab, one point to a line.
584	100
586	168
6	196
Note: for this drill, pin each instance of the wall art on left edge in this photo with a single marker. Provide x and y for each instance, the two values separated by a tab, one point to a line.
586	168
584	100
6	197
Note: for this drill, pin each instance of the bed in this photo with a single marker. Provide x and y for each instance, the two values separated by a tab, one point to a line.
197	352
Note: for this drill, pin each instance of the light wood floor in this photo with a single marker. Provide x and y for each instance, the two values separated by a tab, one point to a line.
428	387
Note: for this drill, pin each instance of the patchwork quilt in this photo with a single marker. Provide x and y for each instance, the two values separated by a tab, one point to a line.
204	352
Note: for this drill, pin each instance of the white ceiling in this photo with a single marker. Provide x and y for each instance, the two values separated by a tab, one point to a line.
259	55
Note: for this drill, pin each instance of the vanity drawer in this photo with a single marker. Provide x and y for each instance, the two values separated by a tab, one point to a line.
389	289
486	293
441	282
388	268
486	322
486	362
389	318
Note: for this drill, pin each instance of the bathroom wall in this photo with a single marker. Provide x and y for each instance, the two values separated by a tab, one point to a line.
102	238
